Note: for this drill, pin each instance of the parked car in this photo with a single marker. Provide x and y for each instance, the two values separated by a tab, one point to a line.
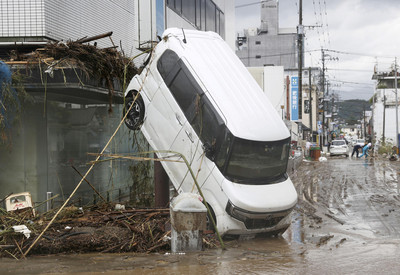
197	98
339	147
360	142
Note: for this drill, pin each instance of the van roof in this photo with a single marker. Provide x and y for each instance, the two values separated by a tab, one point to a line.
246	109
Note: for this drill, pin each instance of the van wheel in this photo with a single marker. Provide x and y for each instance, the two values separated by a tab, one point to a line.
209	224
135	117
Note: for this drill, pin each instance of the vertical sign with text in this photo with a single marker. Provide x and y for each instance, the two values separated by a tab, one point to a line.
294	98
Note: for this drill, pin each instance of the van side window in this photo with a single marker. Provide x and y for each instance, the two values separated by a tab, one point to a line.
207	123
185	92
191	99
166	63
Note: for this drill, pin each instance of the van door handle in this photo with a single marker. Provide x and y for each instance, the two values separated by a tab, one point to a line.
178	118
189	135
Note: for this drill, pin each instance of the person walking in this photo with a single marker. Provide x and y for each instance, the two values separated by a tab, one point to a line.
356	149
365	150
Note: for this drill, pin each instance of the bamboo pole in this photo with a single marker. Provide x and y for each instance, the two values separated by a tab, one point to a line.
94	189
195	182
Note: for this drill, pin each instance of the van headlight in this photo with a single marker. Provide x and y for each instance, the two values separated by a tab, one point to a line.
235	212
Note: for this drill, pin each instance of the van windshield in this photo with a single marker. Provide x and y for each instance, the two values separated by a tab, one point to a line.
258	162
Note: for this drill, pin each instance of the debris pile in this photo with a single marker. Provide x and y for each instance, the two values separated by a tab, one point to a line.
100	63
96	229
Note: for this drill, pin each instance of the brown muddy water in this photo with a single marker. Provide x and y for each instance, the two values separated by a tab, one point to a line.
347	221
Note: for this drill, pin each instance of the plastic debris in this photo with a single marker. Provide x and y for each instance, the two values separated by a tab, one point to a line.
22	229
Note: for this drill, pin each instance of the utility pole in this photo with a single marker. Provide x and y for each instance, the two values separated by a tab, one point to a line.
300	32
397	112
384	117
323	97
310	100
364	124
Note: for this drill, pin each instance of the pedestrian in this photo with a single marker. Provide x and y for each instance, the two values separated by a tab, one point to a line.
365	150
356	149
308	145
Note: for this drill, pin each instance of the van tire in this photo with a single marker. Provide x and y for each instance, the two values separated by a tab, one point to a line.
209	224
135	117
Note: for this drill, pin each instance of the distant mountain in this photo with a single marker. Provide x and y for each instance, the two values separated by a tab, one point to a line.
350	111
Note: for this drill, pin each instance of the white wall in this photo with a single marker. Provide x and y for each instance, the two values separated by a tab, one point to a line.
271	80
390	116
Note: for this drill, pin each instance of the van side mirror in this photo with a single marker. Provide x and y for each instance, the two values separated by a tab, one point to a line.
209	150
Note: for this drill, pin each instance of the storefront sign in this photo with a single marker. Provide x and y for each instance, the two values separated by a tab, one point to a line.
294	98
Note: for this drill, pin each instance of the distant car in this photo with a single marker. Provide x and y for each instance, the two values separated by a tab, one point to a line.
360	142
339	147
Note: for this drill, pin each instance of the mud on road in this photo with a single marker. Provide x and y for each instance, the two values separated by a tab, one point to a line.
347	220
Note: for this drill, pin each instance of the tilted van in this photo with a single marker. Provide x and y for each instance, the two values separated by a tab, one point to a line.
197	98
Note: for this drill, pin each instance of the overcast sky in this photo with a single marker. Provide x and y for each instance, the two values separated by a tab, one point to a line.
360	33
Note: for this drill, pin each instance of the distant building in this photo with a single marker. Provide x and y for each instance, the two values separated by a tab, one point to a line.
353	131
269	45
384	107
276	48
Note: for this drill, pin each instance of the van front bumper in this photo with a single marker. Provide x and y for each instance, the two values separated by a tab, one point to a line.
257	220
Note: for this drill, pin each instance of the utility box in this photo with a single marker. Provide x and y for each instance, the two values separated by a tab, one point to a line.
315	153
188	220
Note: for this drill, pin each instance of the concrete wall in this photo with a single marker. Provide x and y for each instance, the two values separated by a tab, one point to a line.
271	81
265	50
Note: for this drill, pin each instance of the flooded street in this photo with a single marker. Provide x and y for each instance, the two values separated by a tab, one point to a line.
347	221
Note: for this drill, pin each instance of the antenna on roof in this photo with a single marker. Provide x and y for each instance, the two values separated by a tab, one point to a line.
184	36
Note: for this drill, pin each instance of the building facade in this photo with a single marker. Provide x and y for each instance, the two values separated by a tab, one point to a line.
384	107
269	45
68	116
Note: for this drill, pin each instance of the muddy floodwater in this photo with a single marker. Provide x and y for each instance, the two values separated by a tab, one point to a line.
347	221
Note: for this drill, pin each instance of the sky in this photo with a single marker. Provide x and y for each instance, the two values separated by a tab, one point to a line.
356	35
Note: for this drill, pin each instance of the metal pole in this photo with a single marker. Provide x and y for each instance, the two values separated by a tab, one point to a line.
300	31
310	101
384	117
323	98
397	112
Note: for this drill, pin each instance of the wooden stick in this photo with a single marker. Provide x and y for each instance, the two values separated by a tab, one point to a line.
94	189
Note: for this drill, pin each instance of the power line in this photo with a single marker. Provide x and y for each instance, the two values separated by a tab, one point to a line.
350	82
353	70
246	5
359	54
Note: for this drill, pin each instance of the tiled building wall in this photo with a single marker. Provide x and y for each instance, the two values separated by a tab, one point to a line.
20	18
75	19
65	20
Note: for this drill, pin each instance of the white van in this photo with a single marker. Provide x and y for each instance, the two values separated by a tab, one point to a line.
197	98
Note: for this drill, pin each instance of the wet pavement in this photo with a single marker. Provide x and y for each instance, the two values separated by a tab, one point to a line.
347	221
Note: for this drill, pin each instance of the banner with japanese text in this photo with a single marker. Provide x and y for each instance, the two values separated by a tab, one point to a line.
294	98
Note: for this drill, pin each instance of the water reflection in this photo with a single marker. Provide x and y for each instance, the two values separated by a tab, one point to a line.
295	232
